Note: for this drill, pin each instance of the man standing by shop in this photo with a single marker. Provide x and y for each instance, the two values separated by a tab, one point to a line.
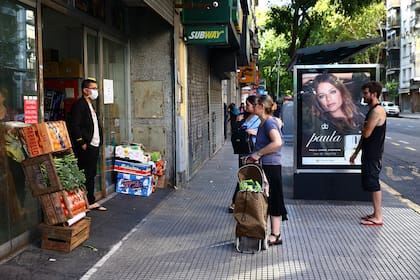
87	137
372	146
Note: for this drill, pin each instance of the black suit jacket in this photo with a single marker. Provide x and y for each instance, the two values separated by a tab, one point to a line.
81	124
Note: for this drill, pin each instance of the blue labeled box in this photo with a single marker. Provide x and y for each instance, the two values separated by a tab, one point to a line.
134	184
134	168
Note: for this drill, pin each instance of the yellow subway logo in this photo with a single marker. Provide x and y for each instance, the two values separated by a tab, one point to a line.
199	35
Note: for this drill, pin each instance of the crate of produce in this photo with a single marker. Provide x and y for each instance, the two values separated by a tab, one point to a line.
43	172
45	138
64	239
160	167
134	184
59	207
135	168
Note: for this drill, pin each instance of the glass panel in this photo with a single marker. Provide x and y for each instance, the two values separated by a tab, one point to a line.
92	56
116	119
92	73
18	209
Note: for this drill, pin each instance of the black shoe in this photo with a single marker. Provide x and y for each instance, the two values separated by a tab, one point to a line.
277	241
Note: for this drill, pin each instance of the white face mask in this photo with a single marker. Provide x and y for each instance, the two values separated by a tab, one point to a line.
93	94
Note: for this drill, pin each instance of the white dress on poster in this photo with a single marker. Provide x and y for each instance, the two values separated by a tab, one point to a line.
108	91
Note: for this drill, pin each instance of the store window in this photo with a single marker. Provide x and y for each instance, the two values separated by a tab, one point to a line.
116	121
18	82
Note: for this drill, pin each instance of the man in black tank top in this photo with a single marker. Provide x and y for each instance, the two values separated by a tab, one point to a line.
372	146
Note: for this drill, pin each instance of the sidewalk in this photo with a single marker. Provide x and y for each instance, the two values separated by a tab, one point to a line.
188	234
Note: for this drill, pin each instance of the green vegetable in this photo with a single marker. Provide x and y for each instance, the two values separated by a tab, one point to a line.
71	177
250	185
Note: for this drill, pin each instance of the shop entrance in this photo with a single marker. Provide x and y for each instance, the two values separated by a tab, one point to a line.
73	52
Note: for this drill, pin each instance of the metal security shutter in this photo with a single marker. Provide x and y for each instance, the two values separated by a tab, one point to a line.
165	8
216	117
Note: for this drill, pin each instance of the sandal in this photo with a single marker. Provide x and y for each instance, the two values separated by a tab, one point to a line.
277	241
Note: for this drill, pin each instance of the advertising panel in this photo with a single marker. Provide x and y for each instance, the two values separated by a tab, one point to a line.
330	114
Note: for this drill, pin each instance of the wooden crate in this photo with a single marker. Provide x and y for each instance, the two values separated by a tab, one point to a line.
65	239
41	182
52	207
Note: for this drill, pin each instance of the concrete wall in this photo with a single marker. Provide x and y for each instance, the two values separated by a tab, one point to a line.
151	81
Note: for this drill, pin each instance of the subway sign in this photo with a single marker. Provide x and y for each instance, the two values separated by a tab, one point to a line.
206	35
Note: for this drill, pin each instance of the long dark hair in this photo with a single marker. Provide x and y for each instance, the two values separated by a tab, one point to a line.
350	110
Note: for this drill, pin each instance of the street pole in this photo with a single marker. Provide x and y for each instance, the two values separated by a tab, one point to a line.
278	77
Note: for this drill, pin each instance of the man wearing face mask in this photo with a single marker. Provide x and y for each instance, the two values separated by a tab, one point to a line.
87	137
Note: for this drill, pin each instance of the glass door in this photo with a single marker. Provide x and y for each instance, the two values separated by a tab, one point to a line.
92	68
116	113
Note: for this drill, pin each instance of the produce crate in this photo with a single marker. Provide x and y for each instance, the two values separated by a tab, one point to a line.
65	239
46	137
41	173
59	206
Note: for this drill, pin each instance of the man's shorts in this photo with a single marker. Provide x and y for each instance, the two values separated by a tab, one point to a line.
370	174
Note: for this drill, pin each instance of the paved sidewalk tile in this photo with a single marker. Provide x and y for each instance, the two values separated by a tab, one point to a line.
191	236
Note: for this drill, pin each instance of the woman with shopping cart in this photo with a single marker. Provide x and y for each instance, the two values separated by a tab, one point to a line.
268	153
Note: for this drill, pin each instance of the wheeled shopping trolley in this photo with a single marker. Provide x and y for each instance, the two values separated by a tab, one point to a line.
250	211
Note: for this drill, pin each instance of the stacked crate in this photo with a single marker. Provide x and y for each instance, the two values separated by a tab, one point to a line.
44	142
134	170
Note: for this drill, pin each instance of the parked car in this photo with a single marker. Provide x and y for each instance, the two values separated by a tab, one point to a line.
390	108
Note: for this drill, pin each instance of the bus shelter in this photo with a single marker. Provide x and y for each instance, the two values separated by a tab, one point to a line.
329	116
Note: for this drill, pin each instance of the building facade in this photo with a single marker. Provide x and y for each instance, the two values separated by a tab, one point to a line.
403	51
168	87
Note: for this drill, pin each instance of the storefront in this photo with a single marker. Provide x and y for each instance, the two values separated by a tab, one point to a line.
155	88
47	49
18	79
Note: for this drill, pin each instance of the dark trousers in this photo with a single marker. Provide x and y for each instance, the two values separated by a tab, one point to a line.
87	161
240	163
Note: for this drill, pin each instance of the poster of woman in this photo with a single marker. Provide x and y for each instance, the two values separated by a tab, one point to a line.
332	116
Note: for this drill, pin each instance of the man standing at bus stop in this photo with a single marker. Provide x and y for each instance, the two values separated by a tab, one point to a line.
372	146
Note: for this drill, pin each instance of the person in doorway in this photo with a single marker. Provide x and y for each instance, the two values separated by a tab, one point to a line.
87	137
268	153
250	121
372	146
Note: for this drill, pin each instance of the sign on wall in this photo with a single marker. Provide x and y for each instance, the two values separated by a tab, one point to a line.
215	34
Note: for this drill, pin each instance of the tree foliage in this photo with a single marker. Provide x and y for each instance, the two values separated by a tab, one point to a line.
304	23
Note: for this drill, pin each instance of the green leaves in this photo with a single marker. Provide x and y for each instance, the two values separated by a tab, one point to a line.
71	177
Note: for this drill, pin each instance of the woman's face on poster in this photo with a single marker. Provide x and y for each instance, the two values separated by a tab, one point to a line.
329	98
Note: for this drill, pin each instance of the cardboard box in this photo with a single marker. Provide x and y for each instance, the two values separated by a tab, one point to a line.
162	182
71	68
134	168
65	239
134	184
131	152
51	69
